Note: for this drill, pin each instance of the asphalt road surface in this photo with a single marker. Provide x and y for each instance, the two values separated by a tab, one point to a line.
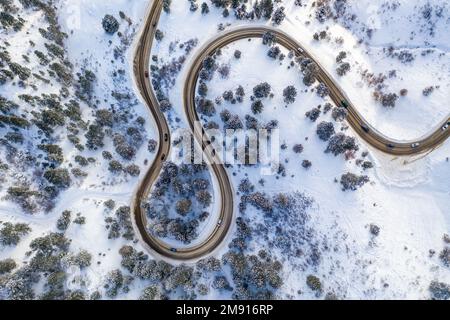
225	218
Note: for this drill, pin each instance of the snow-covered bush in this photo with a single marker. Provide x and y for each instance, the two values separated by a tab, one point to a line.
7	265
340	143
351	181
110	24
58	177
262	90
313	114
257	107
325	130
278	16
343	68
439	290
289	94
10	234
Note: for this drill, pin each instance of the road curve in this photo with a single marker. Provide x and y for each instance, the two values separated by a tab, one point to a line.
368	133
139	218
141	68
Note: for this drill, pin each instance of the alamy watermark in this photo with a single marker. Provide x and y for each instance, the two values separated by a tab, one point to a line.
230	147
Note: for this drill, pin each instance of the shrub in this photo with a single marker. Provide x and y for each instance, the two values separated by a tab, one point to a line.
80	220
166	5
313	114
183	207
206	107
63	222
221	283
123	148
82	161
202	89
374	229
133	170
339	114
306	164
54	153
205	8
228	95
350	181
341	56
367	165
439	290
325	130
7	265
85	85
194	6
260	201
22	72
152	144
268	38
262	90
240	93
445	256
234	123
200	184
343	68
246	186
263	9
298	148
224	71
104	117
110	24
63	73
82	259
386	99
114	281
151	293
274	52
210	264
78	173
15	121
181	277
257	107
10	234
427	91
58	177
110	204
95	136
159	35
279	16
314	283
14	137
310	71
322	90
289	94
115	166
340	143
204	198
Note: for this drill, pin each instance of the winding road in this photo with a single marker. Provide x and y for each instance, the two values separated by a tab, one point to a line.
225	218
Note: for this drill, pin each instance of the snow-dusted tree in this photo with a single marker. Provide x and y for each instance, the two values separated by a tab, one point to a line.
289	94
262	90
351	181
110	24
325	130
257	107
279	15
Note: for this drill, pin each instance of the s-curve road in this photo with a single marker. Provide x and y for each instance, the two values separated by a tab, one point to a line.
225	218
141	65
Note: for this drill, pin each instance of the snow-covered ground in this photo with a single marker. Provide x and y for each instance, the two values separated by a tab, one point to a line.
408	201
